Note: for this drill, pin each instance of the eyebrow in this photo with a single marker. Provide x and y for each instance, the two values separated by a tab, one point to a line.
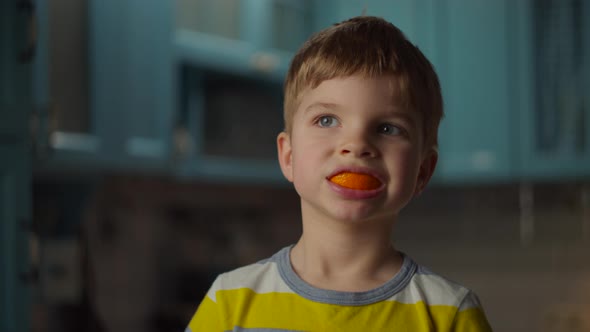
410	117
330	106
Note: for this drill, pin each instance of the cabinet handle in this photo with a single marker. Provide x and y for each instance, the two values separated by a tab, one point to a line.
183	143
27	55
264	62
42	124
31	276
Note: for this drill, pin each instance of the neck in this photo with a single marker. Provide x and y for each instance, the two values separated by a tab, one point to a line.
345	256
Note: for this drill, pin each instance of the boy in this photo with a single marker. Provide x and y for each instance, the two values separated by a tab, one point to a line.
362	108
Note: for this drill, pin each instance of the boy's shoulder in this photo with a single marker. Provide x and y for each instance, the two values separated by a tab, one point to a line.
261	277
434	288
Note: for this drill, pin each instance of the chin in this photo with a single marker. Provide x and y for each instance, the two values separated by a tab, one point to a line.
359	216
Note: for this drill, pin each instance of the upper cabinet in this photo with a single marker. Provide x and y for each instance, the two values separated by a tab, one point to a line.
478	136
552	89
515	79
131	77
231	59
103	84
247	37
466	41
194	87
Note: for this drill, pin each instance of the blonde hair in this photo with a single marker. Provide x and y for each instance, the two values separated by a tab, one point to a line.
367	46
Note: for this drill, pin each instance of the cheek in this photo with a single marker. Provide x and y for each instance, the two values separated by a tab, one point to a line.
406	165
308	163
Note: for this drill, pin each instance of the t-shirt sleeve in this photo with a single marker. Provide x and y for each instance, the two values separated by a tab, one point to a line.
470	316
207	317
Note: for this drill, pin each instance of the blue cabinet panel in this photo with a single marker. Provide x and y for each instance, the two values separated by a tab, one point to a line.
212	52
230	122
234	72
15	294
15	108
250	37
123	63
132	77
554	76
466	42
475	136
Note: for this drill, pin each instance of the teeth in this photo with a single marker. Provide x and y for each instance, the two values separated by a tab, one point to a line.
359	181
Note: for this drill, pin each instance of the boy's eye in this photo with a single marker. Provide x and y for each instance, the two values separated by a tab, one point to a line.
389	129
327	121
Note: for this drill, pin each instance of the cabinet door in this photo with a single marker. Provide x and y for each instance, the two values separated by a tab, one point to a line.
231	123
475	135
103	84
466	42
247	37
15	107
132	80
554	70
65	135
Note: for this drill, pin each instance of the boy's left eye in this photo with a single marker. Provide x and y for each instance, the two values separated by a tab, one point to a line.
327	121
389	129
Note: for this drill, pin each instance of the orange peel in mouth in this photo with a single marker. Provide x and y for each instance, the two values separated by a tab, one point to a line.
358	181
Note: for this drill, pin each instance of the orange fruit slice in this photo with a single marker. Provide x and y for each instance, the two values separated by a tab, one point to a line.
358	181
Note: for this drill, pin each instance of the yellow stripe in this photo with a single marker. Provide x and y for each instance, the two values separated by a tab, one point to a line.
207	317
244	308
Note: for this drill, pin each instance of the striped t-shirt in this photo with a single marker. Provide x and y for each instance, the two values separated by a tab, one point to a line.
270	296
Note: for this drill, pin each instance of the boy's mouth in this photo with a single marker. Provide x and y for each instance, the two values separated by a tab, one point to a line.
356	181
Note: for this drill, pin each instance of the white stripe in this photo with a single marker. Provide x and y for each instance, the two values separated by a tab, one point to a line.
260	278
430	288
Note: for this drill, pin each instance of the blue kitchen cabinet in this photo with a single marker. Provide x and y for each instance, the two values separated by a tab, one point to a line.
414	17
141	82
177	86
515	79
552	89
131	78
249	37
228	125
477	135
231	59
465	41
104	85
234	77
16	50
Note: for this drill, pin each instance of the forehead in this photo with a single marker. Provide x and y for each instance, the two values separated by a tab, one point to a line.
382	92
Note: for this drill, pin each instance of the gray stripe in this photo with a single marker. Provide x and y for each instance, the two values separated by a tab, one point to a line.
387	290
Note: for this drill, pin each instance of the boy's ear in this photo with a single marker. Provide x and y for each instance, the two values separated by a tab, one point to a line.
426	170
285	155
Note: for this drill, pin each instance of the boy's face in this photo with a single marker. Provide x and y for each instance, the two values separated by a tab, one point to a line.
355	125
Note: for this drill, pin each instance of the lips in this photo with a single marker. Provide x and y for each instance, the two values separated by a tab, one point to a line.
356	183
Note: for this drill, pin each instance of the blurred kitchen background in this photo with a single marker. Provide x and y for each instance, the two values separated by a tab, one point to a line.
137	140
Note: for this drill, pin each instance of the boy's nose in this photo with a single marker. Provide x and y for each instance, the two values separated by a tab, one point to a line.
358	147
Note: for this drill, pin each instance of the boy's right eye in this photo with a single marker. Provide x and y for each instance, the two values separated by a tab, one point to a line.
327	121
